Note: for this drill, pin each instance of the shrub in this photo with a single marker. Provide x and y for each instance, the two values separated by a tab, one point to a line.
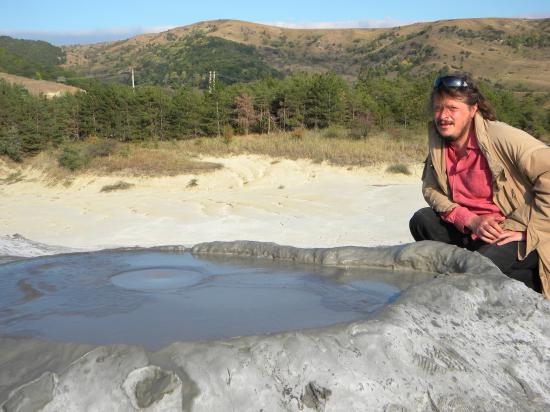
120	185
334	132
71	159
357	133
228	134
12	178
399	168
125	151
100	148
298	132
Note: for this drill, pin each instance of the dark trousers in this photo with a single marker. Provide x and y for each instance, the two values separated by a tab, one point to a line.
427	225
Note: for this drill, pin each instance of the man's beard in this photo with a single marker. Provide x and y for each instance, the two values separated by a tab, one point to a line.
454	137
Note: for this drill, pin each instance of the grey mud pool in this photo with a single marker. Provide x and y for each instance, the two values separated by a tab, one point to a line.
258	326
153	298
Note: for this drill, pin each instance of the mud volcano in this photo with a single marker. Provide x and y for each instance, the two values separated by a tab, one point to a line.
157	297
424	326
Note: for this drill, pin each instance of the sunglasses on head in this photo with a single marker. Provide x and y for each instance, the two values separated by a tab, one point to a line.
450	82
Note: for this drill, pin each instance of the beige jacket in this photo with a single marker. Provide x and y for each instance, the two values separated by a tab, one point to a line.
520	166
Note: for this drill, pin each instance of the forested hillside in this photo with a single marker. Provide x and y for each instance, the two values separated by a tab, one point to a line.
29	58
188	61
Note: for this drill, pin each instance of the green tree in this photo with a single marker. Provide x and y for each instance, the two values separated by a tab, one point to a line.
290	100
325	100
185	114
10	144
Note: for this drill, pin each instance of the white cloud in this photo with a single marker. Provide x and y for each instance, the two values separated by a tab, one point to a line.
343	24
122	33
541	15
83	36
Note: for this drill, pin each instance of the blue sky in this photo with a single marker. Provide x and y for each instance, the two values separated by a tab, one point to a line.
78	21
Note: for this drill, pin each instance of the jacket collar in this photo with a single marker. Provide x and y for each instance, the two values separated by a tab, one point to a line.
483	141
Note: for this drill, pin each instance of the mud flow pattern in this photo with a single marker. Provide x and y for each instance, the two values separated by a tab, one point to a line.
153	298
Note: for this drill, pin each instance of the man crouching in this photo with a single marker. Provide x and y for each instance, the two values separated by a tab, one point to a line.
487	184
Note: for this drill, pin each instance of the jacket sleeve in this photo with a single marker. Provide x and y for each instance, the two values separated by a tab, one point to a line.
432	192
459	216
535	165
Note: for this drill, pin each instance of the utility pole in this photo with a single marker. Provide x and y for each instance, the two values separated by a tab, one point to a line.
217	102
211	81
133	84
211	87
218	118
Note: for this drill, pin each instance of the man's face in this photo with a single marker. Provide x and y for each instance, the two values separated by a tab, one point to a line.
452	116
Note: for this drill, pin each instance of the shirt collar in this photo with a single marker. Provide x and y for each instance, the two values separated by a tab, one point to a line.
471	144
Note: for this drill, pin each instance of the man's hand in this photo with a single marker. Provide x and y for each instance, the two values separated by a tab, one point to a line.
508	236
487	228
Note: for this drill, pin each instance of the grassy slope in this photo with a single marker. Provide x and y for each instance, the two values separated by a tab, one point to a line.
183	157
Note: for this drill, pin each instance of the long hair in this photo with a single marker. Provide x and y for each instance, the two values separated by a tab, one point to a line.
470	95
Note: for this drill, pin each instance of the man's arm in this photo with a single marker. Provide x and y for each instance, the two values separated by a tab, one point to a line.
432	192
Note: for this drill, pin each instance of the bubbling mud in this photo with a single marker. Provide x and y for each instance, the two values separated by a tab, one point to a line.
152	298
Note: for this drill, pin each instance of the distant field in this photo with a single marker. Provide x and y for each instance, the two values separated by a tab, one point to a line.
38	87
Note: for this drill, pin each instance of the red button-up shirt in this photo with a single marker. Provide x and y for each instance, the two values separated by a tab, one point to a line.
470	182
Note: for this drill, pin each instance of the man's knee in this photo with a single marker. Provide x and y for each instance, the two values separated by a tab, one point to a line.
420	221
505	258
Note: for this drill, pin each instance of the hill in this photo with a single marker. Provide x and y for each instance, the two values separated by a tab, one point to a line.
513	52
